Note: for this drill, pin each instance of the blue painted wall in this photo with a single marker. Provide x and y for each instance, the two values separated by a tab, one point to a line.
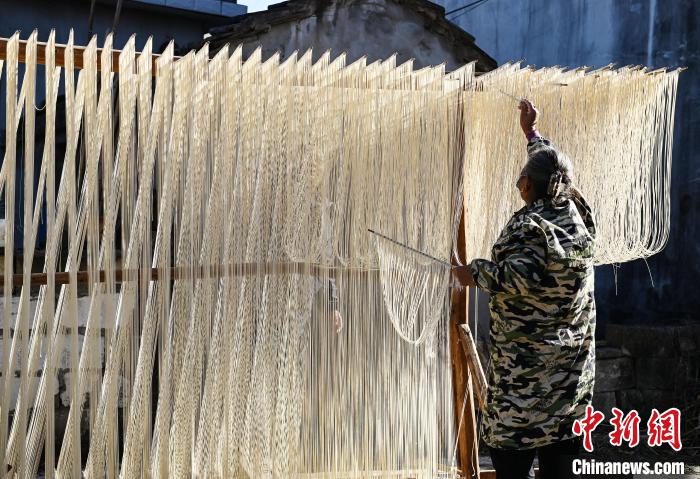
185	21
597	32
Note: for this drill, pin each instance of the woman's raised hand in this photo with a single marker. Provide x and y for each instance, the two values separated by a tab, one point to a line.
528	116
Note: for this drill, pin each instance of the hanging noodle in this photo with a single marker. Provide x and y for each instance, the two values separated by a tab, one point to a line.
210	205
615	125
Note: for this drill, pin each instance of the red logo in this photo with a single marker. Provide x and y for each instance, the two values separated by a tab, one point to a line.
587	425
665	428
662	428
625	428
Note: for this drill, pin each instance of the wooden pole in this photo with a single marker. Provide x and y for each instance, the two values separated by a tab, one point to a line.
60	53
468	439
214	271
465	417
467	436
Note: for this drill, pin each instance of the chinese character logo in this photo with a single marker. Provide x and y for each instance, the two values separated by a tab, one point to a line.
625	428
587	425
662	428
665	428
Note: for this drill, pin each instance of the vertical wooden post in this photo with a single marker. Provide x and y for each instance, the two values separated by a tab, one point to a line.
468	440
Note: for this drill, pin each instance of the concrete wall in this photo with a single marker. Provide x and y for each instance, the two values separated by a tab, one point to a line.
595	33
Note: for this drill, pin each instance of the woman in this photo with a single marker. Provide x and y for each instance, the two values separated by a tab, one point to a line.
540	279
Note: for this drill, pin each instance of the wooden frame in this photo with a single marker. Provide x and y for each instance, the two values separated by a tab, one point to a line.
61	53
467	374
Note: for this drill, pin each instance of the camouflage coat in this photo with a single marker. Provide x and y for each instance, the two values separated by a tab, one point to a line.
542	355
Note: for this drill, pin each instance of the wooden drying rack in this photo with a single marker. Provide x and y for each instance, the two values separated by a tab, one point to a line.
78	52
183	272
467	373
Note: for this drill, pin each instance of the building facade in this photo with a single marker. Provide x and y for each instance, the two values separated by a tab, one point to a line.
413	29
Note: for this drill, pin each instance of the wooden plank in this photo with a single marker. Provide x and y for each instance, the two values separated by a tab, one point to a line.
474	364
60	54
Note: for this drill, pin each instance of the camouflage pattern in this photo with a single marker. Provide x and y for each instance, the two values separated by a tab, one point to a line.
542	356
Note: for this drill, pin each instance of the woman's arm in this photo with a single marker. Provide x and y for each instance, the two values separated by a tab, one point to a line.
525	259
523	266
528	119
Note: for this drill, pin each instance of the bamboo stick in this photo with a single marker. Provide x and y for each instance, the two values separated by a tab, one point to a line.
475	368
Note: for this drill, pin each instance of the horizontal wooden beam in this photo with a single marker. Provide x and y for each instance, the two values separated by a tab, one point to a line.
61	52
176	273
82	331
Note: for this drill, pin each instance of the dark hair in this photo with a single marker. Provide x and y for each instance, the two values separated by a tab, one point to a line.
550	172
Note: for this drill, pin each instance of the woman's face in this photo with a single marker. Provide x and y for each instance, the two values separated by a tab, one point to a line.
524	185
